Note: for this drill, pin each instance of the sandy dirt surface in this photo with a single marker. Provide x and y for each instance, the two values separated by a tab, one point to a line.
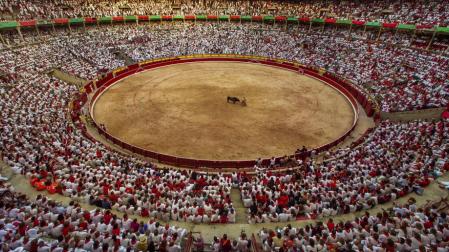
181	110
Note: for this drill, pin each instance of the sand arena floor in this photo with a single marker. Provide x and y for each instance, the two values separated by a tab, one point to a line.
181	110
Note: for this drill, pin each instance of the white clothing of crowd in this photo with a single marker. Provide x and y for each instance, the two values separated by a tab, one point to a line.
399	78
44	225
396	159
39	140
415	11
405	227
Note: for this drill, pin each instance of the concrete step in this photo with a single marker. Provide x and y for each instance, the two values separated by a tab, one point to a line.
123	56
240	210
69	78
406	116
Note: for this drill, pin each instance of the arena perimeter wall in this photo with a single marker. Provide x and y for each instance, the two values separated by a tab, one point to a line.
95	88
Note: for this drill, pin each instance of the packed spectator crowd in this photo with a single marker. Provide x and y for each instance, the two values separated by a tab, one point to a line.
416	11
39	140
45	225
405	227
400	78
241	244
396	159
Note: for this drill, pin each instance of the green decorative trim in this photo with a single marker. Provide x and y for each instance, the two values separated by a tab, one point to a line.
76	20
155	18
344	21
130	18
373	24
105	19
406	26
440	29
8	25
178	17
44	22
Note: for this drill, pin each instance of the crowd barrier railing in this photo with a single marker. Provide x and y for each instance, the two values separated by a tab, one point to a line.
97	87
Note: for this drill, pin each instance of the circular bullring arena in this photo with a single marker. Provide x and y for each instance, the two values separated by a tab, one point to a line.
182	110
183	131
